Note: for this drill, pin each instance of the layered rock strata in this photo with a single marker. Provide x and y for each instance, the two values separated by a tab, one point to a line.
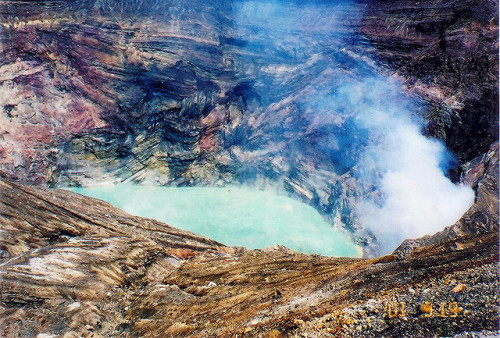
188	93
178	94
446	52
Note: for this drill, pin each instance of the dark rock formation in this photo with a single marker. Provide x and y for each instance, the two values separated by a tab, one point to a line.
75	266
168	90
176	93
128	94
447	52
185	93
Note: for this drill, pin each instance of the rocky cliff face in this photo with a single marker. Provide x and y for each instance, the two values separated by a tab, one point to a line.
182	94
75	266
167	94
186	93
446	52
174	94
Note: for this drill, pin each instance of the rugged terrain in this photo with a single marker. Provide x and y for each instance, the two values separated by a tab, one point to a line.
73	266
446	52
190	93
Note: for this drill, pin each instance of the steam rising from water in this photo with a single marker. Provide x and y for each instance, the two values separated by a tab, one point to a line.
319	117
416	197
374	133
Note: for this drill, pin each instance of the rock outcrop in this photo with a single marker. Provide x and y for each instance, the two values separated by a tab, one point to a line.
177	94
75	266
170	94
185	93
446	52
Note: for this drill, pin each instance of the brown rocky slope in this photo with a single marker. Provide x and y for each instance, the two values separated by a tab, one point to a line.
74	266
178	92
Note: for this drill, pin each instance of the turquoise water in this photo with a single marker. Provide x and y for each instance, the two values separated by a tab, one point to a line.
235	216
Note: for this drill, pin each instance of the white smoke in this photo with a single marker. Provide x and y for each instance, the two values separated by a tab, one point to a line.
411	195
416	197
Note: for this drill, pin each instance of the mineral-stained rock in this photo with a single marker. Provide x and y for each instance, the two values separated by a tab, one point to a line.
151	90
447	52
76	266
185	93
178	93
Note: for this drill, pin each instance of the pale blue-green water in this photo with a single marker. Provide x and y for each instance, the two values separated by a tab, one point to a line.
236	216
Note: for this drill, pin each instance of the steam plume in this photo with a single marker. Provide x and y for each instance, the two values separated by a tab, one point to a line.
409	194
407	168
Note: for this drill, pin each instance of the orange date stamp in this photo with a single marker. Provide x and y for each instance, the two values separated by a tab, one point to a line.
443	310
